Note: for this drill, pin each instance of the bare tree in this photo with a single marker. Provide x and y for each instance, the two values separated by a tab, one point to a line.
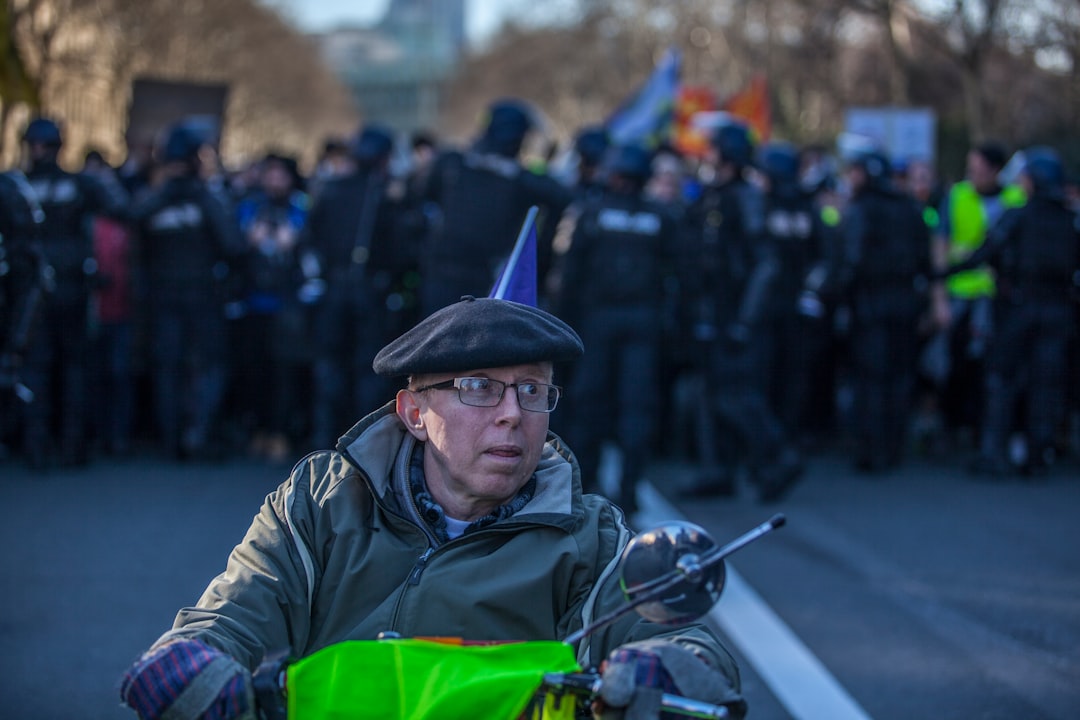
579	62
281	94
971	28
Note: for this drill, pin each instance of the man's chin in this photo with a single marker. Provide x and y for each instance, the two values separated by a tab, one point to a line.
501	485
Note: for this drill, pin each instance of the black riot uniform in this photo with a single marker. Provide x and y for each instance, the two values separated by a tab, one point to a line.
484	195
591	145
1035	250
352	230
729	270
885	266
186	243
614	274
56	363
794	228
22	287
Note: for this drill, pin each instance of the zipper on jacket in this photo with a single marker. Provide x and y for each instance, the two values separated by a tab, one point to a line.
421	562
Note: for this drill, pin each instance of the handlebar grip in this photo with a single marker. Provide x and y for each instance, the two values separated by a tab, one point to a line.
589	684
692	708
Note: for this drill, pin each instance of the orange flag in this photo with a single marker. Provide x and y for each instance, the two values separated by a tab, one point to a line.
752	105
689	139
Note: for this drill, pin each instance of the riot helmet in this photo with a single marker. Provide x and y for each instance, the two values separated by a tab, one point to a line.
508	122
181	145
43	141
591	144
1044	169
733	142
864	154
781	162
42	131
373	145
207	128
632	162
874	164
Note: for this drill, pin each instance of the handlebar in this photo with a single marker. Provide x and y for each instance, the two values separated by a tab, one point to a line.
270	681
589	685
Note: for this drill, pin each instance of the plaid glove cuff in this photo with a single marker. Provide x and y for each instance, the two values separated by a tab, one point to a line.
185	680
649	670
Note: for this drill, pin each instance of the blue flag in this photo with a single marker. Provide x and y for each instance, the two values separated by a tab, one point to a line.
517	281
648	116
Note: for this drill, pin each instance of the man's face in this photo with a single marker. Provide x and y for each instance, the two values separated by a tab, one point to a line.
41	152
276	180
856	177
920	180
476	458
981	173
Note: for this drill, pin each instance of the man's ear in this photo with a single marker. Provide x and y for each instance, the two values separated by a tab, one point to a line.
408	410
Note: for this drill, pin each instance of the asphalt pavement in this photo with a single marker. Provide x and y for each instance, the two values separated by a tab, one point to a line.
915	594
923	592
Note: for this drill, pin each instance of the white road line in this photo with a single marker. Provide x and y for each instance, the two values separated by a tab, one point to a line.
801	683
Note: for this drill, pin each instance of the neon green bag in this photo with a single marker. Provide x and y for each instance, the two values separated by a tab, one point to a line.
412	679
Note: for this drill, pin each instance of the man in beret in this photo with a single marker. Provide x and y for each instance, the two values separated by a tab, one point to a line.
450	511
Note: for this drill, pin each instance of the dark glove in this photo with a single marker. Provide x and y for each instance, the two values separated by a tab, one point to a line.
703	332
188	679
810	305
635	677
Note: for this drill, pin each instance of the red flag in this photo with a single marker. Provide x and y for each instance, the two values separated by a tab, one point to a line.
752	105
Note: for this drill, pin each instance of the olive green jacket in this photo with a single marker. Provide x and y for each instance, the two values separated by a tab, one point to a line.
338	552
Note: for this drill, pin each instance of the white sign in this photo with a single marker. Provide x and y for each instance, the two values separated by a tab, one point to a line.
903	133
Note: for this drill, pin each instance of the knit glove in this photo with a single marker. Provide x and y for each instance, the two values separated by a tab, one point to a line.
637	675
188	680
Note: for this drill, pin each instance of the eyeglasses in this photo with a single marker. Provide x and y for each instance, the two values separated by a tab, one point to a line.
485	392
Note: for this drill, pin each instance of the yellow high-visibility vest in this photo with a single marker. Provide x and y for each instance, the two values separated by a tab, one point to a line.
967	227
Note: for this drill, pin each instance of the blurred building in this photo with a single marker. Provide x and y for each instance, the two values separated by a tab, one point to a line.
397	68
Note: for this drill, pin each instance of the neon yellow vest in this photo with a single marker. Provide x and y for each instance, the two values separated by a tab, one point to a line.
968	226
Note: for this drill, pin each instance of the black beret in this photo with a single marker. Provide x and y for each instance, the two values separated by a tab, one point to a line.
479	333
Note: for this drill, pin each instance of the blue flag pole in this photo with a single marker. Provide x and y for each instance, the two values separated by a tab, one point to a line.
518	279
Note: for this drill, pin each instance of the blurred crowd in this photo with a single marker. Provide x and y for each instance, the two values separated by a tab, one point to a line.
740	309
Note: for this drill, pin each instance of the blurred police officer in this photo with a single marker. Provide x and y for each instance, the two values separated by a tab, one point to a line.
186	242
484	195
885	265
272	333
1035	250
56	364
794	228
667	185
22	286
615	273
729	271
591	146
351	229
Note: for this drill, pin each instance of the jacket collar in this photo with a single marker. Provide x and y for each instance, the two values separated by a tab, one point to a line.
379	447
